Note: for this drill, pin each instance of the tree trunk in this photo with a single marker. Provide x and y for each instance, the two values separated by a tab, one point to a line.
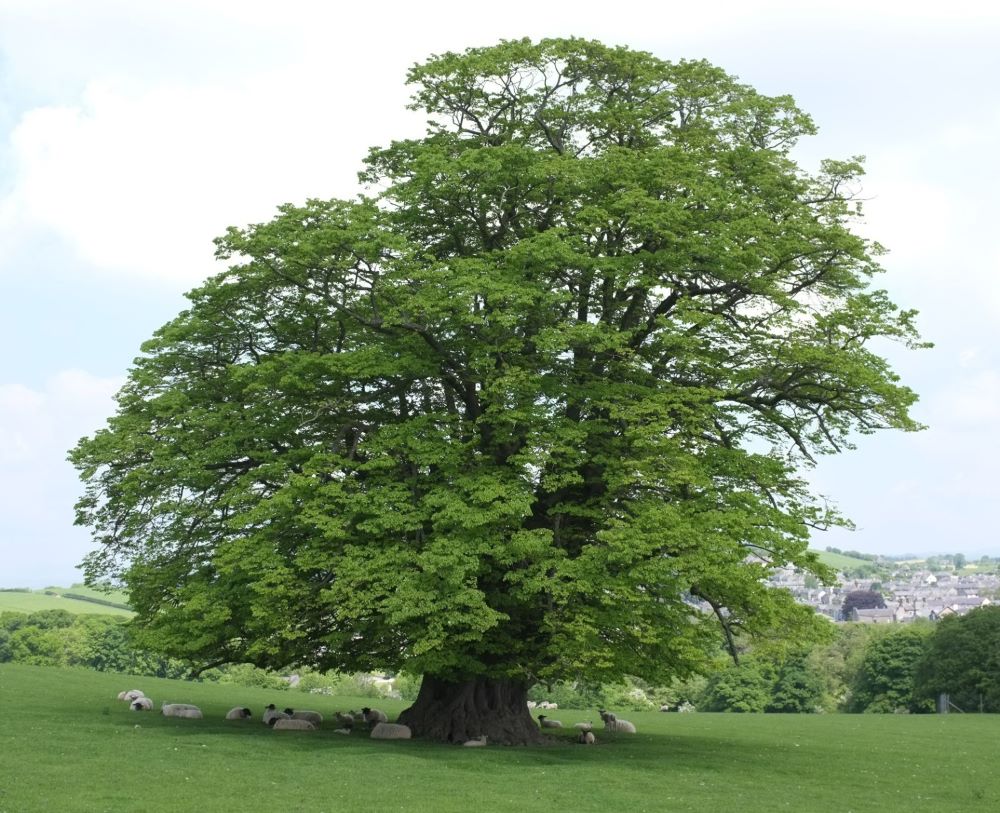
459	711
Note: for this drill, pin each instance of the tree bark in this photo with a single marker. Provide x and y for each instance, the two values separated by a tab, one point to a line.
457	711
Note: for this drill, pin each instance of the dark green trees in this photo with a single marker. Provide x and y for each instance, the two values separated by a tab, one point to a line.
536	410
962	660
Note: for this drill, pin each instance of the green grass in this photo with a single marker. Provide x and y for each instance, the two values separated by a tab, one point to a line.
841	562
37	600
67	744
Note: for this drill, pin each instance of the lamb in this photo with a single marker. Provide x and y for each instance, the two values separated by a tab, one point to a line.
374	716
478	742
586	738
141	704
545	722
238	713
345	718
288	724
612	723
391	731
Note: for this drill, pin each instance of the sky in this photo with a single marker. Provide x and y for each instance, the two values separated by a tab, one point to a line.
132	134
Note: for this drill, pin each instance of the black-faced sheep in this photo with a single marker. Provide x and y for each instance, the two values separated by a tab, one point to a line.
238	713
586	738
545	722
373	716
141	704
271	714
313	717
180	710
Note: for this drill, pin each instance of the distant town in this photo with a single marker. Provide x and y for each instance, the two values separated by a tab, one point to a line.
929	588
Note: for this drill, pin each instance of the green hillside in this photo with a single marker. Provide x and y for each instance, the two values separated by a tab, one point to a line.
845	564
76	599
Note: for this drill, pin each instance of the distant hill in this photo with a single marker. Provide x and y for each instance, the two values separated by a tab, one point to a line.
77	599
845	564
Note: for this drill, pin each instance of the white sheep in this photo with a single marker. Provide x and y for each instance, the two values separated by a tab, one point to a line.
586	738
238	713
141	704
531	704
130	695
288	724
545	722
345	719
271	714
612	723
587	726
374	716
342	731
189	714
313	717
391	731
174	709
478	742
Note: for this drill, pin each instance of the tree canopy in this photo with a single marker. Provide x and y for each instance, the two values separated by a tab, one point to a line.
538	405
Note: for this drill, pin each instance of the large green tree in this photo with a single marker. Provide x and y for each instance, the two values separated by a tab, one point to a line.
536	408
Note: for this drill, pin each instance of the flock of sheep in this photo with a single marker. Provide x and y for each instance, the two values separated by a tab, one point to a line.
376	721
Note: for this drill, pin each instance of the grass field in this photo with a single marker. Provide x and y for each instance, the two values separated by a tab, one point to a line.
840	562
37	600
66	744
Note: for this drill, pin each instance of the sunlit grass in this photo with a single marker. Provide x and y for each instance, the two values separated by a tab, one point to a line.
67	744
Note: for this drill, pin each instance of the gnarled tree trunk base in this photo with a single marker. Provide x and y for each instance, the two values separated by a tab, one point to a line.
459	711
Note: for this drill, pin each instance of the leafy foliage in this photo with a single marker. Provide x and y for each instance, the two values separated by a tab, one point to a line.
885	680
536	409
962	659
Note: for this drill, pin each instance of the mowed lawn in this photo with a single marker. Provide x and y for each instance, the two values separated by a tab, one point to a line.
67	744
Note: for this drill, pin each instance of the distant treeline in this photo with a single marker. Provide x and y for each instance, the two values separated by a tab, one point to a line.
95	600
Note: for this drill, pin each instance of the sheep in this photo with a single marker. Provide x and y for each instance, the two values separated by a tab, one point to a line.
141	704
612	723
130	695
238	713
586	738
312	716
478	742
188	714
174	709
587	726
288	724
545	722
391	731
342	731
374	716
345	718
271	714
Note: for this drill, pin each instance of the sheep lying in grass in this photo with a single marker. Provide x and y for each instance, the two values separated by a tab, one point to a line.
587	726
612	723
342	731
271	714
141	704
373	716
180	710
545	722
478	742
130	695
345	719
238	713
586	738
288	724
313	717
391	731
